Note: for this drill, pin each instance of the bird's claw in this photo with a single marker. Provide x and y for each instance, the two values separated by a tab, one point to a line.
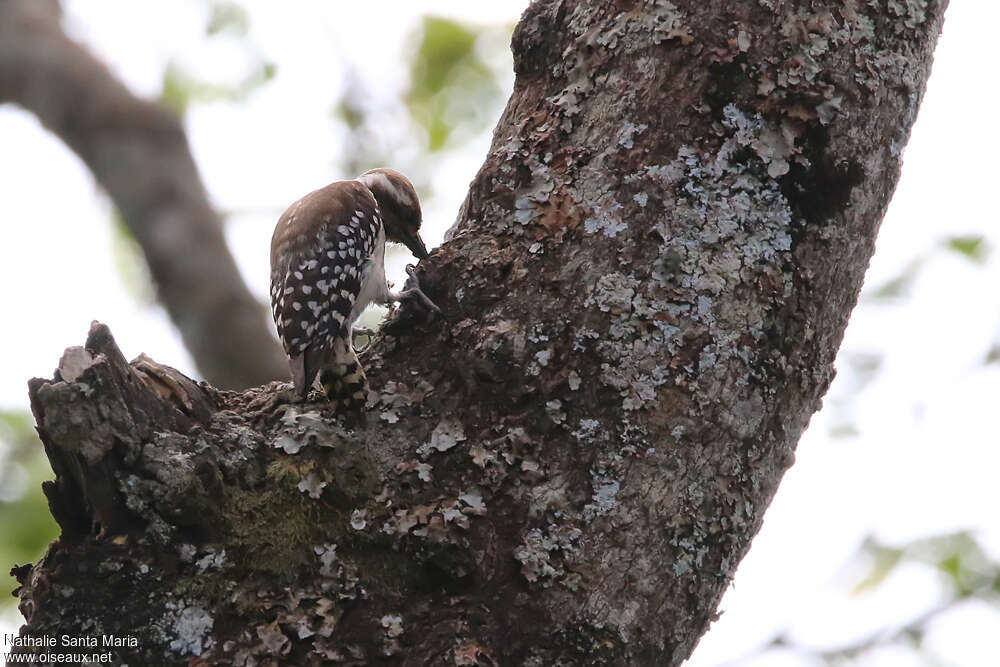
413	289
363	331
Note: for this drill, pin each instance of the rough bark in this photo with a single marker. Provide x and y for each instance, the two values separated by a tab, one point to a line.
138	152
644	297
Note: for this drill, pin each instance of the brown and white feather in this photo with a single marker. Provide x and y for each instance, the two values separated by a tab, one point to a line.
326	266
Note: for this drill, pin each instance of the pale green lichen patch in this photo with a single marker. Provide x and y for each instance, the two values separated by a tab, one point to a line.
448	433
302	428
614	293
726	219
571	97
690	556
396	399
913	12
423	470
436	520
312	484
725	222
212	560
534	194
555	411
392	626
190	628
605	493
587	430
544	554
627	133
654	22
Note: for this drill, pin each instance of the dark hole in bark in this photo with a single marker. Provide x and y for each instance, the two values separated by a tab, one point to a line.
818	191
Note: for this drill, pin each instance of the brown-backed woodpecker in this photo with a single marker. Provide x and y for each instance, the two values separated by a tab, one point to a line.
328	264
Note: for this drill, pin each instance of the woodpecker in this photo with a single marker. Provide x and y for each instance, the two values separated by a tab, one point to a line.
328	264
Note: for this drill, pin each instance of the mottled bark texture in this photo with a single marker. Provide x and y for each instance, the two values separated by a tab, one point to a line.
138	152
644	296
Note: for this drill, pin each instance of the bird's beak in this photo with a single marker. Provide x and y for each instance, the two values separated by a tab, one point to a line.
415	244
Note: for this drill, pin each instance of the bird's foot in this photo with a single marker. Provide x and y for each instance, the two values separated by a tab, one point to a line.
412	290
346	388
363	331
350	411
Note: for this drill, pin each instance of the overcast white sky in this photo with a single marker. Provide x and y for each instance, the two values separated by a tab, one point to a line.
925	460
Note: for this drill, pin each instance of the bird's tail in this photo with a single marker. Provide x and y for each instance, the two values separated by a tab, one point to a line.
344	381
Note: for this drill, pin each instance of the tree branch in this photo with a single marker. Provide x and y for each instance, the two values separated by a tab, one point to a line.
138	152
644	298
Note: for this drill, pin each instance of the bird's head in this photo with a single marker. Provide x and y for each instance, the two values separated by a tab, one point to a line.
399	206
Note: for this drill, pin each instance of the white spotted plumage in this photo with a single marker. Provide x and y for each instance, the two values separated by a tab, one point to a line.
323	254
327	265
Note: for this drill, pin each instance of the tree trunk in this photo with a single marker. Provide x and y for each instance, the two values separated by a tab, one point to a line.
644	297
138	152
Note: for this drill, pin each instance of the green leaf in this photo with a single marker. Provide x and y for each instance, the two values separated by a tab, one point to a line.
180	88
352	115
451	86
27	528
884	560
17	431
446	46
898	287
973	247
228	17
993	355
951	565
177	88
25	522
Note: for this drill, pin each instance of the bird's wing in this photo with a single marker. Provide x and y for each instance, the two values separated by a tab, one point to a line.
318	251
